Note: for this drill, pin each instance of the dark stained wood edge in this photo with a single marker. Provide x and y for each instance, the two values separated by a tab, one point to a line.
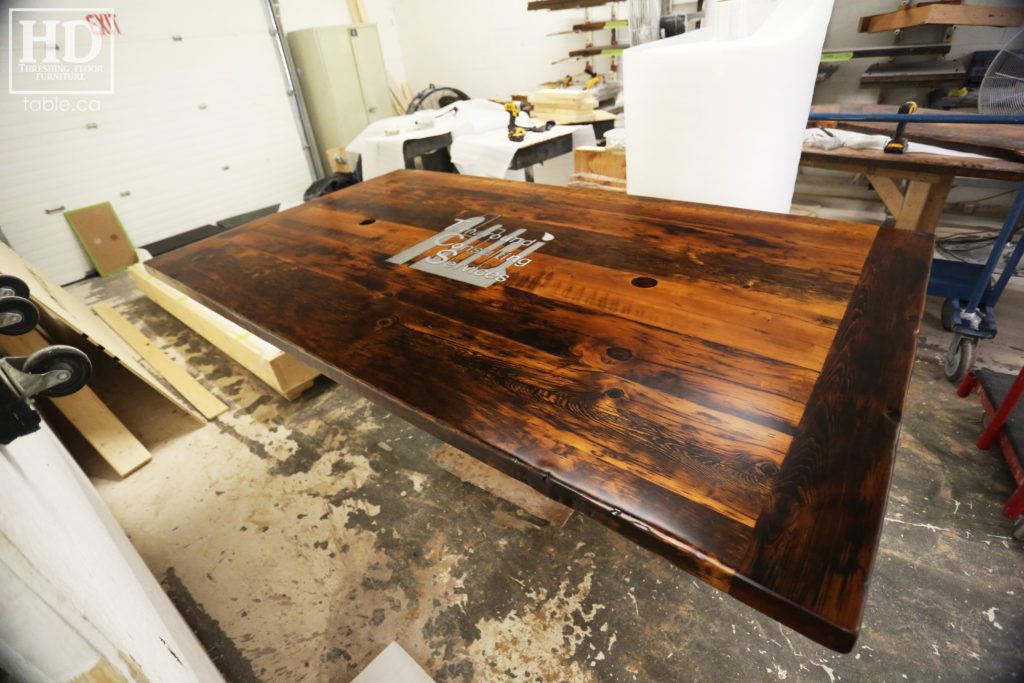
857	161
814	543
687	557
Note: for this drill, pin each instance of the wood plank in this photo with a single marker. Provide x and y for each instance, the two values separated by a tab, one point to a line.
64	306
1003	141
891	195
357	11
815	541
89	415
843	54
913	204
928	167
653	364
472	471
935	74
934	205
103	237
601	161
281	372
597	182
564	4
942	14
187	385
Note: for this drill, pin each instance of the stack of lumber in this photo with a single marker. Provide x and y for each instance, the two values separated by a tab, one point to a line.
570	105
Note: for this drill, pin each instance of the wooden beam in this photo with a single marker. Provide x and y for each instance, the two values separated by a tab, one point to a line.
89	415
357	11
844	54
281	371
934	204
497	483
564	4
186	385
913	204
889	192
944	15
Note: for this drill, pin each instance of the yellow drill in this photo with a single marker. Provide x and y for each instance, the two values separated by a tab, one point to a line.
516	133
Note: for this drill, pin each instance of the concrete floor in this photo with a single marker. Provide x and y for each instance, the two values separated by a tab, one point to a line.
300	538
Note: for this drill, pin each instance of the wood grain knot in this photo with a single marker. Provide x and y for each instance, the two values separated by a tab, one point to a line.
615	393
385	323
643	282
619	353
367	221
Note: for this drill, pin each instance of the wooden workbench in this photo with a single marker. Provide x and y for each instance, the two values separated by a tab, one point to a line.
723	387
928	177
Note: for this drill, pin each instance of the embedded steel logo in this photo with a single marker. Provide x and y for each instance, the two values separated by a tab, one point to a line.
61	51
473	253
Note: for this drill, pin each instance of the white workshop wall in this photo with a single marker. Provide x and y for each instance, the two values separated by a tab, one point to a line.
491	48
198	129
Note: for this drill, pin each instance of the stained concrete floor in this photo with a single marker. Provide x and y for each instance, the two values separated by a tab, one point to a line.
300	538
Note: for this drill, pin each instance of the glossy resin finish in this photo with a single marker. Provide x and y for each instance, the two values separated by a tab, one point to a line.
723	387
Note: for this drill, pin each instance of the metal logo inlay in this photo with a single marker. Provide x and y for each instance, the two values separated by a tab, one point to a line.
472	253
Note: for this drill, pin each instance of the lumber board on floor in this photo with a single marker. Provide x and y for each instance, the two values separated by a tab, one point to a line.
497	483
281	371
67	308
89	415
186	385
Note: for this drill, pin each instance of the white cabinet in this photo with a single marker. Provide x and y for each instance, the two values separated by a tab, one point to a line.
341	72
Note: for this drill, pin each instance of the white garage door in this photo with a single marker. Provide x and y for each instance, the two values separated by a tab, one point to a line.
199	126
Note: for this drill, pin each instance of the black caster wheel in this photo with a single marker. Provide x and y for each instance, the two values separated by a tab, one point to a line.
947	315
13	286
74	367
960	358
17	315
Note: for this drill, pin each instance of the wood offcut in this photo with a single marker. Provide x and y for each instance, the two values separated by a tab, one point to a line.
723	387
942	14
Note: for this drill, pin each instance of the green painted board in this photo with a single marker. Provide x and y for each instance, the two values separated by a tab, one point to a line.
103	237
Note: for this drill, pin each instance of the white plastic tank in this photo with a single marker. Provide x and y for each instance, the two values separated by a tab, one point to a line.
717	115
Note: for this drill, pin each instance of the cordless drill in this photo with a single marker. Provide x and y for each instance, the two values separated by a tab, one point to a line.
898	144
516	133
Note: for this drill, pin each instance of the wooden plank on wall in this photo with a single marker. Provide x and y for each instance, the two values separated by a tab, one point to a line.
942	14
186	385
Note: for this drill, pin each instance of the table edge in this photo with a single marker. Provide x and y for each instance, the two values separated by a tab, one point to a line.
791	525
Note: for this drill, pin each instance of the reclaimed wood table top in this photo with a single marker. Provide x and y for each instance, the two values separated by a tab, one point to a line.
724	387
